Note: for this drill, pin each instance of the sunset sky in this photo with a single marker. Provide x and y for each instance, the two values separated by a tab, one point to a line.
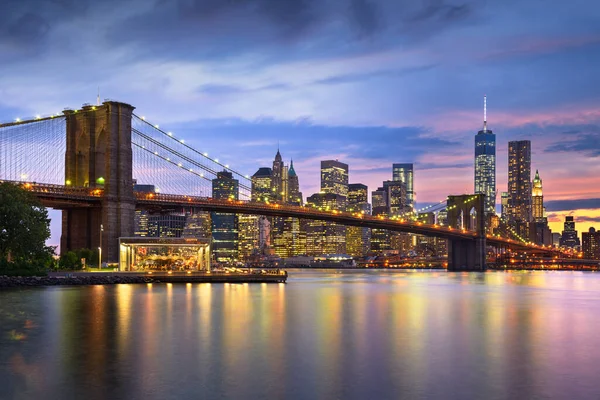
368	82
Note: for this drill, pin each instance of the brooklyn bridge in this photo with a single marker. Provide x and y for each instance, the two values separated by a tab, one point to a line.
85	162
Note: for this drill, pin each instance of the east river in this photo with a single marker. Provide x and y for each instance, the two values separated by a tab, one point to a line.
323	335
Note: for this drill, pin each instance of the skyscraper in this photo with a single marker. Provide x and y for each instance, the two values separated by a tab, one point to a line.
325	237
485	164
358	238
261	185
569	236
537	198
277	181
519	181
262	192
294	194
397	198
405	173
380	238
590	244
334	177
225	225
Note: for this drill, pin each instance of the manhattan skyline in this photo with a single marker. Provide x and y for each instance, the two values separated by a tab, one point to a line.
370	83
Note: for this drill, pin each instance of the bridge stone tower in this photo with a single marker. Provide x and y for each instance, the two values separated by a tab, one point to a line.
99	155
467	212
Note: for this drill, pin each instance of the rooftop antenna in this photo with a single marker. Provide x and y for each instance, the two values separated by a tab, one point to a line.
484	113
98	98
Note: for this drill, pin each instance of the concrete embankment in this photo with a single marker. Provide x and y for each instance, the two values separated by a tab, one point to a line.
104	278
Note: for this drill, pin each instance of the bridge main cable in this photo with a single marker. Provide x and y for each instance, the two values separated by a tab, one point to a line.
178	154
245	177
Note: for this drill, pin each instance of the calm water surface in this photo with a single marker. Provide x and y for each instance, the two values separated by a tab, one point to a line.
324	335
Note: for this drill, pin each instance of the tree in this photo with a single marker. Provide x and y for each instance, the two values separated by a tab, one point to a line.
24	228
69	260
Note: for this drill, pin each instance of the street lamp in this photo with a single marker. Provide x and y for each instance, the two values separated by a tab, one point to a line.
100	248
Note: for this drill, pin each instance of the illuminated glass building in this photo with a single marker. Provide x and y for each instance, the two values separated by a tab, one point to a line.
334	178
405	173
141	223
397	198
358	239
590	244
380	238
325	237
519	181
225	225
166	225
248	235
261	185
198	225
485	165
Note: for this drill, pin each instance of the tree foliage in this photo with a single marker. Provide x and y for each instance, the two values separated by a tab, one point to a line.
24	229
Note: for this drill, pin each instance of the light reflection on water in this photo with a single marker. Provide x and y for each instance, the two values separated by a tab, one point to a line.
326	334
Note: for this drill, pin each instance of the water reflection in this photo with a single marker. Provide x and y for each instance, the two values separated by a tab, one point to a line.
350	335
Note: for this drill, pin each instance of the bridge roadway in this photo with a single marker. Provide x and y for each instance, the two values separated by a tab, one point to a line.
61	197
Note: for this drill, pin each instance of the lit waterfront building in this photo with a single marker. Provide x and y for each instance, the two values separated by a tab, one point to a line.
261	185
261	192
380	238
325	237
590	244
248	235
225	225
141	223
334	178
166	225
357	238
519	180
485	164
198	225
405	173
569	236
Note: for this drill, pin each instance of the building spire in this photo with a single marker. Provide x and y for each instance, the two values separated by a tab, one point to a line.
98	98
484	113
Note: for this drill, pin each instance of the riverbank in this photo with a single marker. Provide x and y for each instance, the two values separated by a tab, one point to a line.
113	278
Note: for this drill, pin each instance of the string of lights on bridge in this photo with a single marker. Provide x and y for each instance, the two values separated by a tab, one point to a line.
203	154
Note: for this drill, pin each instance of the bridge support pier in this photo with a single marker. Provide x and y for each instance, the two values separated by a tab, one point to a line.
466	255
99	155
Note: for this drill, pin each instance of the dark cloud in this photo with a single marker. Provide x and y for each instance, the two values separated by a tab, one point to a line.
588	144
566	205
341	79
365	16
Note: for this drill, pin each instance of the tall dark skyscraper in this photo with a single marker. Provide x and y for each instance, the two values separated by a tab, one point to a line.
569	236
294	194
519	181
225	226
334	178
485	164
405	173
278	187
